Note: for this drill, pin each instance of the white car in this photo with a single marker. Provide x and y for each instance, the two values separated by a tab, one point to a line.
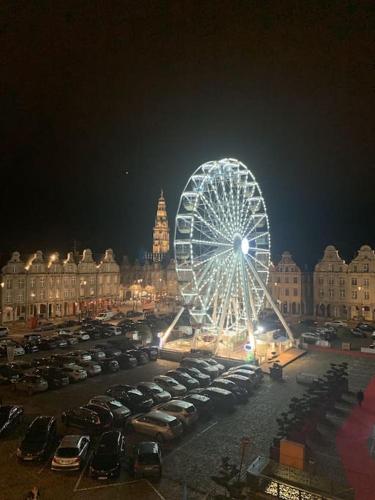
114	330
336	322
170	385
81	335
104	316
91	368
71	453
184	411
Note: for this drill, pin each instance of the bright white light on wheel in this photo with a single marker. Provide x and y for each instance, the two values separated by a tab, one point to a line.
245	246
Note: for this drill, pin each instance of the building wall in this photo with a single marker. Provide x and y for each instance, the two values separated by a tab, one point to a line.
345	290
51	288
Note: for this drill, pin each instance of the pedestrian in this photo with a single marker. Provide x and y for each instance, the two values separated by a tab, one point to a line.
360	397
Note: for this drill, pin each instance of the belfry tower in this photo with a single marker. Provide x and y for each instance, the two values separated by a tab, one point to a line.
160	244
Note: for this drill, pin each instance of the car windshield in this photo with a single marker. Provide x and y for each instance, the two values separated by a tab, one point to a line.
67	452
115	404
148	459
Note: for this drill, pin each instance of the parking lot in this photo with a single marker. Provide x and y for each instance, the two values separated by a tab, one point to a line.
189	462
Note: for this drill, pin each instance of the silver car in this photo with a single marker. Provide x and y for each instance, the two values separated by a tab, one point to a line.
71	453
158	424
75	372
171	385
31	384
184	411
154	391
91	367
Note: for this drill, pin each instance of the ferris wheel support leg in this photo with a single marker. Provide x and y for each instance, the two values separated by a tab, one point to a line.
224	311
249	300
167	332
271	301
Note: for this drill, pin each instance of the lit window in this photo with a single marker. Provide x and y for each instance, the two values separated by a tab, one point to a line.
342	294
9	284
367	295
331	292
354	294
365	268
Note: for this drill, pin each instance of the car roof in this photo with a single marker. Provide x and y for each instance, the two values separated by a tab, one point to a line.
160	415
106	399
196	396
70	441
147	447
176	402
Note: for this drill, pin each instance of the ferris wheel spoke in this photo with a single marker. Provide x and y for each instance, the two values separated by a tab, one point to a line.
258	262
250	211
211	227
257	236
212	243
229	211
200	262
220	206
251	225
216	279
215	215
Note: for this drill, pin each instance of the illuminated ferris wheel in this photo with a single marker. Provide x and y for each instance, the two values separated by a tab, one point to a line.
222	248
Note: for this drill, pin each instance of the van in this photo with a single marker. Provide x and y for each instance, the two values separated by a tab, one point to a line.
104	316
4	331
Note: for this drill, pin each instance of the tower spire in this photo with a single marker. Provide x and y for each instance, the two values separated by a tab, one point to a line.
160	245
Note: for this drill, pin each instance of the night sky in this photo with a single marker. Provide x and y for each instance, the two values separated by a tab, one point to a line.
90	90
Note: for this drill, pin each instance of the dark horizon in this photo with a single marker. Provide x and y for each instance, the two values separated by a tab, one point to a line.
92	91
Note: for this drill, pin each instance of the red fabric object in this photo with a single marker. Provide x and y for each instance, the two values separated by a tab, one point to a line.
352	442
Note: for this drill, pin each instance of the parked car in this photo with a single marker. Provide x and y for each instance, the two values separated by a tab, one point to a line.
154	391
309	338
126	361
96	354
113	330
151	351
366	327
203	404
158	424
10	417
61	342
222	399
308	322
109	365
147	460
183	410
31	384
357	332
201	365
252	368
4	331
87	418
141	356
75	372
120	412
92	368
336	323
32	337
240	393
131	397
244	373
71	453
203	379
21	365
110	351
30	347
104	316
241	380
18	350
95	333
71	339
55	376
40	438
108	456
81	335
106	416
41	361
170	385
9	375
184	379
47	344
215	364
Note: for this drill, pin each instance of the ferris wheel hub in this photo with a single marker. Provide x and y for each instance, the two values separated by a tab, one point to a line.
245	246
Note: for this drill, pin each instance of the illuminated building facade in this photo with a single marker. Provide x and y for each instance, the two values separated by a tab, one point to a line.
50	287
160	245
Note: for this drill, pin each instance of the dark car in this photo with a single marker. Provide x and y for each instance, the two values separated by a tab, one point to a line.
40	438
10	416
95	333
131	397
87	419
203	379
201	365
119	411
97	354
357	332
32	337
109	365
147	460
151	351
60	340
202	403
9	375
126	360
184	379
240	393
30	346
366	327
154	391
46	344
108	455
222	399
41	361
55	377
21	366
141	357
241	381
109	350
106	416
214	363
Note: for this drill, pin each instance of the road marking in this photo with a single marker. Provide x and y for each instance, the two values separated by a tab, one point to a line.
82	473
207	428
107	485
190	440
156	491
